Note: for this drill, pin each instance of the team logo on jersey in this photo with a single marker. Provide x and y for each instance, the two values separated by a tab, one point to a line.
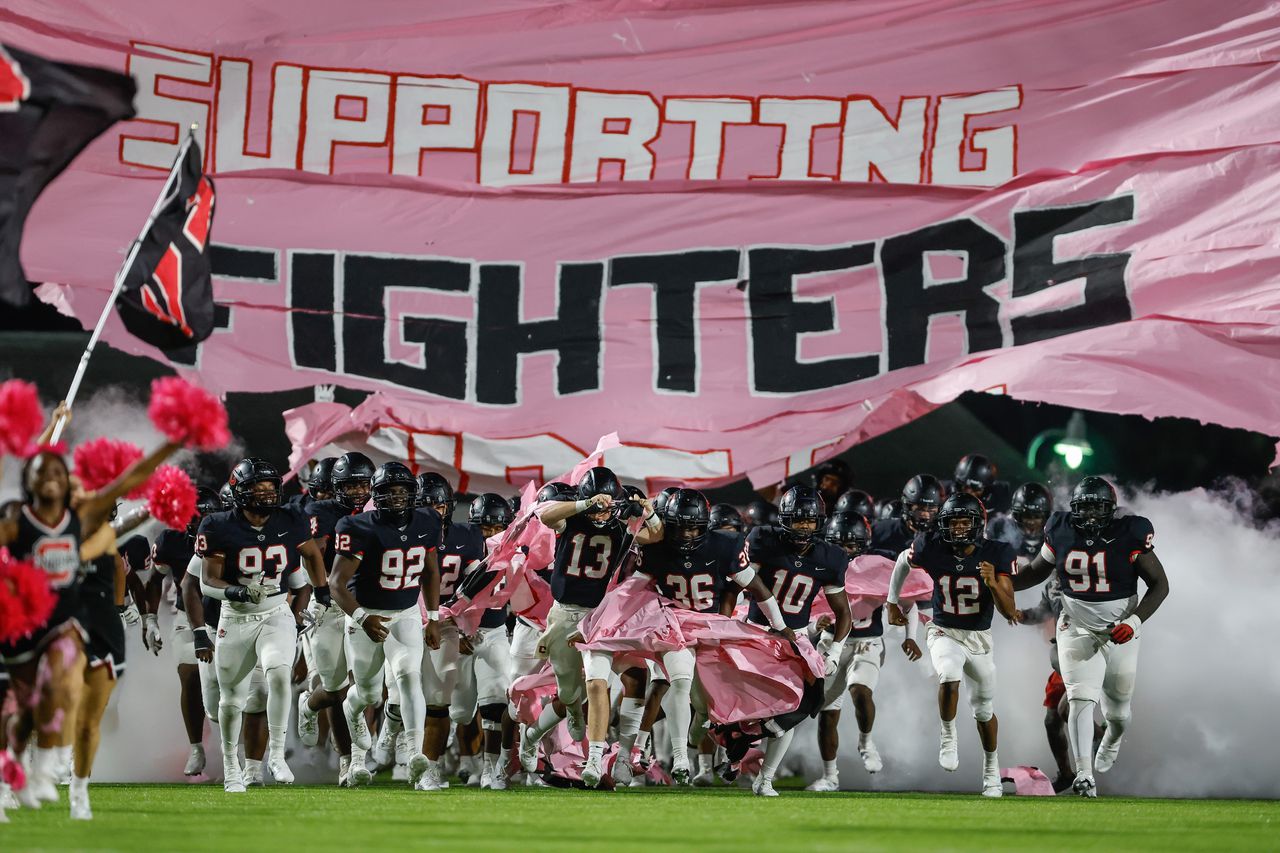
797	564
404	538
688	565
261	537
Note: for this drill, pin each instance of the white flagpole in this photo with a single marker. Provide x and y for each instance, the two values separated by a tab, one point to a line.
170	187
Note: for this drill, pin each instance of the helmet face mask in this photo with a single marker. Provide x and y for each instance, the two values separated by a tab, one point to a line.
434	491
961	520
686	519
1030	508
394	492
601	481
800	514
850	532
921	497
491	513
255	486
352	479
1093	506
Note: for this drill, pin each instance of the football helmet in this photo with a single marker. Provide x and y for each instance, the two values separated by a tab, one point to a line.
957	509
921	497
247	474
801	503
394	492
352	478
686	518
850	531
855	500
1093	505
725	516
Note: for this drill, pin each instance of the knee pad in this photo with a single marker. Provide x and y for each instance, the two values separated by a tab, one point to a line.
435	712
983	710
491	717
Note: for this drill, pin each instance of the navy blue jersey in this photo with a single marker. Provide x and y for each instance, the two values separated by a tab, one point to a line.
698	580
101	574
586	557
795	579
323	517
462	546
173	549
252	555
392	557
1100	568
891	534
960	598
299	503
494	616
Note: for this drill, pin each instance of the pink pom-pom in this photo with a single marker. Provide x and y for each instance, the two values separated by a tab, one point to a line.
26	600
171	497
20	417
188	415
99	461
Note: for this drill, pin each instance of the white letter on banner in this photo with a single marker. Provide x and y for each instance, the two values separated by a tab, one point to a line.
231	152
494	457
612	126
326	91
432	114
995	147
178	113
502	156
872	143
798	116
667	463
709	116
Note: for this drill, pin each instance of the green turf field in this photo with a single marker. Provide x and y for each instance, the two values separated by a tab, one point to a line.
197	818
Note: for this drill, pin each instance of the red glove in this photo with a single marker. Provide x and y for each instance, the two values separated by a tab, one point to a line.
1121	633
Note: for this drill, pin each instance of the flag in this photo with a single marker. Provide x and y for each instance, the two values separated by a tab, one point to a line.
49	111
166	298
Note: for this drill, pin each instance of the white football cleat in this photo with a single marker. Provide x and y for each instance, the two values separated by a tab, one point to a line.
824	786
592	773
80	809
948	753
416	766
991	785
528	752
1108	751
344	770
577	725
1084	786
705	779
232	778
308	721
870	757
384	748
533	780
253	774
280	770
473	780
195	762
430	780
497	780
763	787
486	779
404	749
358	774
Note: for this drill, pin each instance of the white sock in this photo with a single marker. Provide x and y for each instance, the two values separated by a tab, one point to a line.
642	741
44	762
432	765
630	712
251	764
64	758
275	741
230	719
774	752
597	751
679	717
949	729
704	762
830	770
79	786
547	721
990	762
504	759
415	741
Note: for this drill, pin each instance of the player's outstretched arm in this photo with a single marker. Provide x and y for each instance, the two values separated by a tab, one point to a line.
839	601
554	512
1002	593
1036	572
900	570
1151	570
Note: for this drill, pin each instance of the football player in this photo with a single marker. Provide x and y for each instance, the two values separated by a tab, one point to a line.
484	675
172	551
855	500
794	564
46	668
726	517
248	557
696	569
921	497
858	671
591	542
317	487
971	574
384	561
350	478
460	553
761	512
831	478
1098	557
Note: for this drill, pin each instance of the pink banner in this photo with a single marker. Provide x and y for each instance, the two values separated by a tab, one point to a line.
744	236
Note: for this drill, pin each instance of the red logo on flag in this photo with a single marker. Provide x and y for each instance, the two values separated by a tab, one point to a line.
162	296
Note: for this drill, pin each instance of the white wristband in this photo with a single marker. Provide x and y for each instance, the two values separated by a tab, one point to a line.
769	607
433	615
836	649
581	506
652	521
359	615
